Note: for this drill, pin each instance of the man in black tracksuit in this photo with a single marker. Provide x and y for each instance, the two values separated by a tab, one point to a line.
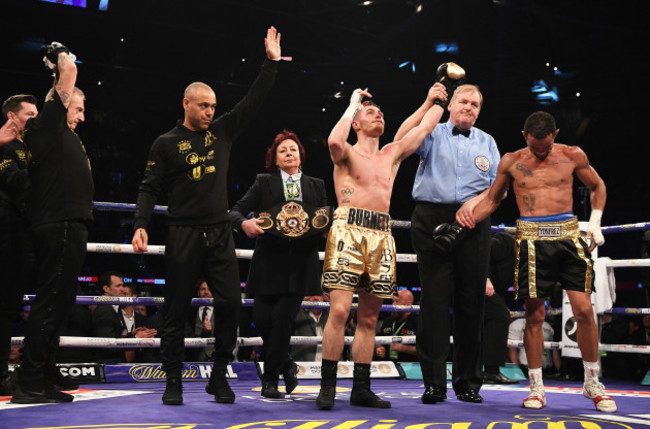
60	205
191	163
16	255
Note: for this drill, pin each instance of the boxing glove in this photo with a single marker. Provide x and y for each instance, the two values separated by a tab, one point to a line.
451	75
51	54
446	236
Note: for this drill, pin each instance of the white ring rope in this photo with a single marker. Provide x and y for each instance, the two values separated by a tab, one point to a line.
150	343
248	254
129	343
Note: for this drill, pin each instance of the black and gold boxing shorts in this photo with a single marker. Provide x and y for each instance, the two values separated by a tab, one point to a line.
360	253
551	252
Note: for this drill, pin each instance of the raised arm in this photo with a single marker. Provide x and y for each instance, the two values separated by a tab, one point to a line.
415	118
587	175
245	110
272	44
338	138
449	75
414	138
61	61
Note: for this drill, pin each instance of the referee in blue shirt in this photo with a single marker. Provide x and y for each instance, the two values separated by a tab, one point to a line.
457	163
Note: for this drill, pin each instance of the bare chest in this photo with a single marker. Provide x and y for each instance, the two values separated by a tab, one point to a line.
551	173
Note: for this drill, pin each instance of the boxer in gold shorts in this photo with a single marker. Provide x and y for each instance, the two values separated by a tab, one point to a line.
360	253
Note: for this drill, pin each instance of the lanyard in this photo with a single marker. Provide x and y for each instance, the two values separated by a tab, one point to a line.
399	328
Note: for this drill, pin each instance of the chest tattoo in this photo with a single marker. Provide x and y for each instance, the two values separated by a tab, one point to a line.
525	170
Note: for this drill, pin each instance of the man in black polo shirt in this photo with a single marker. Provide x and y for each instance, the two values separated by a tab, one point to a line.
60	206
16	258
190	162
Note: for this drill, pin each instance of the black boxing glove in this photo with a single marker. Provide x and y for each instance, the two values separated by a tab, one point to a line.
51	54
446	237
451	75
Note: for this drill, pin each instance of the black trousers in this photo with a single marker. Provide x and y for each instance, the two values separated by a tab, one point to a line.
449	281
16	266
60	249
495	330
274	317
193	251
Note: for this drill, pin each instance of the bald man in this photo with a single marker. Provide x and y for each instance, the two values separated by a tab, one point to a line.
190	164
397	325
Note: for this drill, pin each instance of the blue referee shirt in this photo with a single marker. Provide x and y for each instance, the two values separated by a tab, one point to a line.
454	169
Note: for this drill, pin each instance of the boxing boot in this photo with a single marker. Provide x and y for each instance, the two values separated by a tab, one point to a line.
361	394
325	400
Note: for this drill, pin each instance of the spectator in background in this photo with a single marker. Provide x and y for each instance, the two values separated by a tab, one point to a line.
309	322
550	360
624	330
202	325
136	327
110	321
397	325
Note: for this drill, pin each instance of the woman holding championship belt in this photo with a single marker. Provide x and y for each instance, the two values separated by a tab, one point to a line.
285	267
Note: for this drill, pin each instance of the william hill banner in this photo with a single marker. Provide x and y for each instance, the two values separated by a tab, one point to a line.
192	371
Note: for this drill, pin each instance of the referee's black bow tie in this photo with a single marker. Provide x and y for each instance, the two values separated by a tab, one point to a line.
457	131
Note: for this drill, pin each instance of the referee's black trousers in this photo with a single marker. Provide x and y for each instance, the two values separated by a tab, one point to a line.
457	281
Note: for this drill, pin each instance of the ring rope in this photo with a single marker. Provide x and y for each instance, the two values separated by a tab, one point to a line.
198	302
248	254
92	342
124	207
149	343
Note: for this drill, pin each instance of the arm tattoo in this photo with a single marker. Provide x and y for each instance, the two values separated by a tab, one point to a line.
65	98
524	169
529	202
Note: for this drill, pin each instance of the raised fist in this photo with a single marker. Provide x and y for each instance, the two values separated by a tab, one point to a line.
451	75
355	102
51	54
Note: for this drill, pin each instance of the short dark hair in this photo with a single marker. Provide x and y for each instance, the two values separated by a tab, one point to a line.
105	279
539	124
279	138
132	287
13	103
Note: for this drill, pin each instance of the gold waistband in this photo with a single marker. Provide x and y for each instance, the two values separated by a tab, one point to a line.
551	231
363	218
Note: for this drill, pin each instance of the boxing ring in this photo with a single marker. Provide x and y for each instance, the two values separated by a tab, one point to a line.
129	395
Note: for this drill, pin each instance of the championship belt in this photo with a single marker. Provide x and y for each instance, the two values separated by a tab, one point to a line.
295	219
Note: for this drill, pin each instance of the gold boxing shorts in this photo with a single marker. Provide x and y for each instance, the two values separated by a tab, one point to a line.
551	252
360	253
